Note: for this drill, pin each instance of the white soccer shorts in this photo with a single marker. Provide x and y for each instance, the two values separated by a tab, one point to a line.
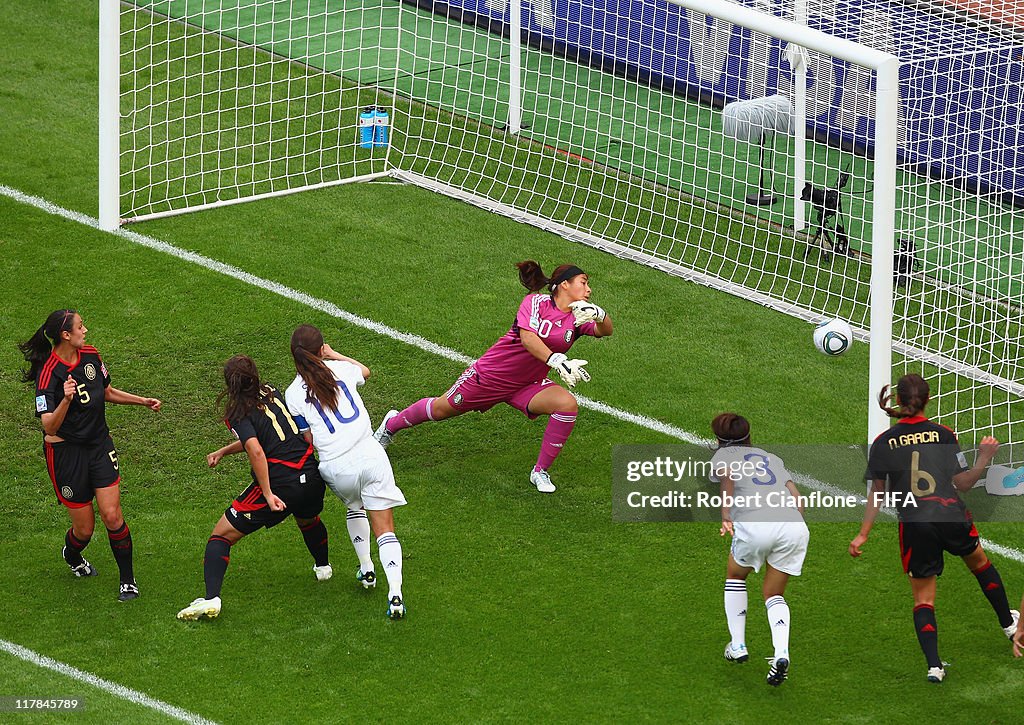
783	544
362	478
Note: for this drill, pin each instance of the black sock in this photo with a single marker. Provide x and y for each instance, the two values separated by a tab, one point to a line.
121	545
215	564
992	585
73	548
927	633
315	536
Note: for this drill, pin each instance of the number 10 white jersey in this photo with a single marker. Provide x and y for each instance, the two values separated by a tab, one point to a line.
335	432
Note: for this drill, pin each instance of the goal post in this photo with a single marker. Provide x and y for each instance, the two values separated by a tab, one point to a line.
886	69
109	115
209	103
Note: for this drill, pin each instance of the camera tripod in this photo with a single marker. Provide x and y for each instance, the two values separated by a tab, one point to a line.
829	233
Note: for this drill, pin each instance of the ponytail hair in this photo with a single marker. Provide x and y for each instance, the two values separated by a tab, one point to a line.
731	429
532	277
37	348
307	341
243	389
912	395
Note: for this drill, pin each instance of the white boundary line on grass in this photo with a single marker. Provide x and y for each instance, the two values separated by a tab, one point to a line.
329	308
125	693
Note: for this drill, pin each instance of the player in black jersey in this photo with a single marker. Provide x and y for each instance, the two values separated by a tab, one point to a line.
72	388
925	469
285	480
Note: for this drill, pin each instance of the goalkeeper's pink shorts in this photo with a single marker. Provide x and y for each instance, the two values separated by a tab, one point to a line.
469	393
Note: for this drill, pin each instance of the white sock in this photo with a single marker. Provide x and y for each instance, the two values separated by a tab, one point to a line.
778	620
736	610
359	533
390	552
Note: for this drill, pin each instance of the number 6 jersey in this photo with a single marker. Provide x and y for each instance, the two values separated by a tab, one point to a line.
335	432
86	421
920	457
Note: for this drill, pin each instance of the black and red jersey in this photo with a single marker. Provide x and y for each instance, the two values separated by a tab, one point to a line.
287	452
86	421
920	457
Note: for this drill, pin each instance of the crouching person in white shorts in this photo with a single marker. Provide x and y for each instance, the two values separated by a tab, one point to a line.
326	406
765	528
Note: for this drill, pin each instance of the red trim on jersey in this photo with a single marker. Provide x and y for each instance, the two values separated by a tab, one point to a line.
914	419
299	464
48	366
940	500
69	365
90	348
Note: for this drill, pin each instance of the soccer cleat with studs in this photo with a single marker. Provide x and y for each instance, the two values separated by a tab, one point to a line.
368	579
382	434
936	674
736	654
200	608
80	570
323	573
542	481
778	672
128	592
1011	630
396	608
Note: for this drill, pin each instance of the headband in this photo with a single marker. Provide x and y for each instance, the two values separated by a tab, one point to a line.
569	273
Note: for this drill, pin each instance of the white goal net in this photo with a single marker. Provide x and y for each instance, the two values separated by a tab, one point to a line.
741	146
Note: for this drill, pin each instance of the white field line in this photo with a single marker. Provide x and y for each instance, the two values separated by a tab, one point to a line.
125	693
333	310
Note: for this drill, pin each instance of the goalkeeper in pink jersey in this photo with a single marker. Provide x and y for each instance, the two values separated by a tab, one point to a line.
514	370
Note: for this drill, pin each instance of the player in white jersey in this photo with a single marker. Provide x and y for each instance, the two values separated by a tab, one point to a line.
329	412
767	526
515	369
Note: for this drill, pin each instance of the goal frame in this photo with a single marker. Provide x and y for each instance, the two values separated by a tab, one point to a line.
798	34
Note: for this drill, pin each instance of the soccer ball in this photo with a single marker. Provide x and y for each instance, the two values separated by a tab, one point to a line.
833	337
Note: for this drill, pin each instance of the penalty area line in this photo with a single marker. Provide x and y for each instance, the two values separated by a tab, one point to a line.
120	691
329	308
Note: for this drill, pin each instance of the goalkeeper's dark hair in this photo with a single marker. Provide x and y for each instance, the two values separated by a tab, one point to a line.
532	277
37	348
243	389
731	429
307	341
912	395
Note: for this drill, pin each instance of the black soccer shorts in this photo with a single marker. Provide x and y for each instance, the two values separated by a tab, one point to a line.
250	511
78	471
922	544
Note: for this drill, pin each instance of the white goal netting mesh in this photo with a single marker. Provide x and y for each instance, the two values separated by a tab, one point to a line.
650	130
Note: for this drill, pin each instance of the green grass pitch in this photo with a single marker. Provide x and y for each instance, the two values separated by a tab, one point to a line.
522	606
